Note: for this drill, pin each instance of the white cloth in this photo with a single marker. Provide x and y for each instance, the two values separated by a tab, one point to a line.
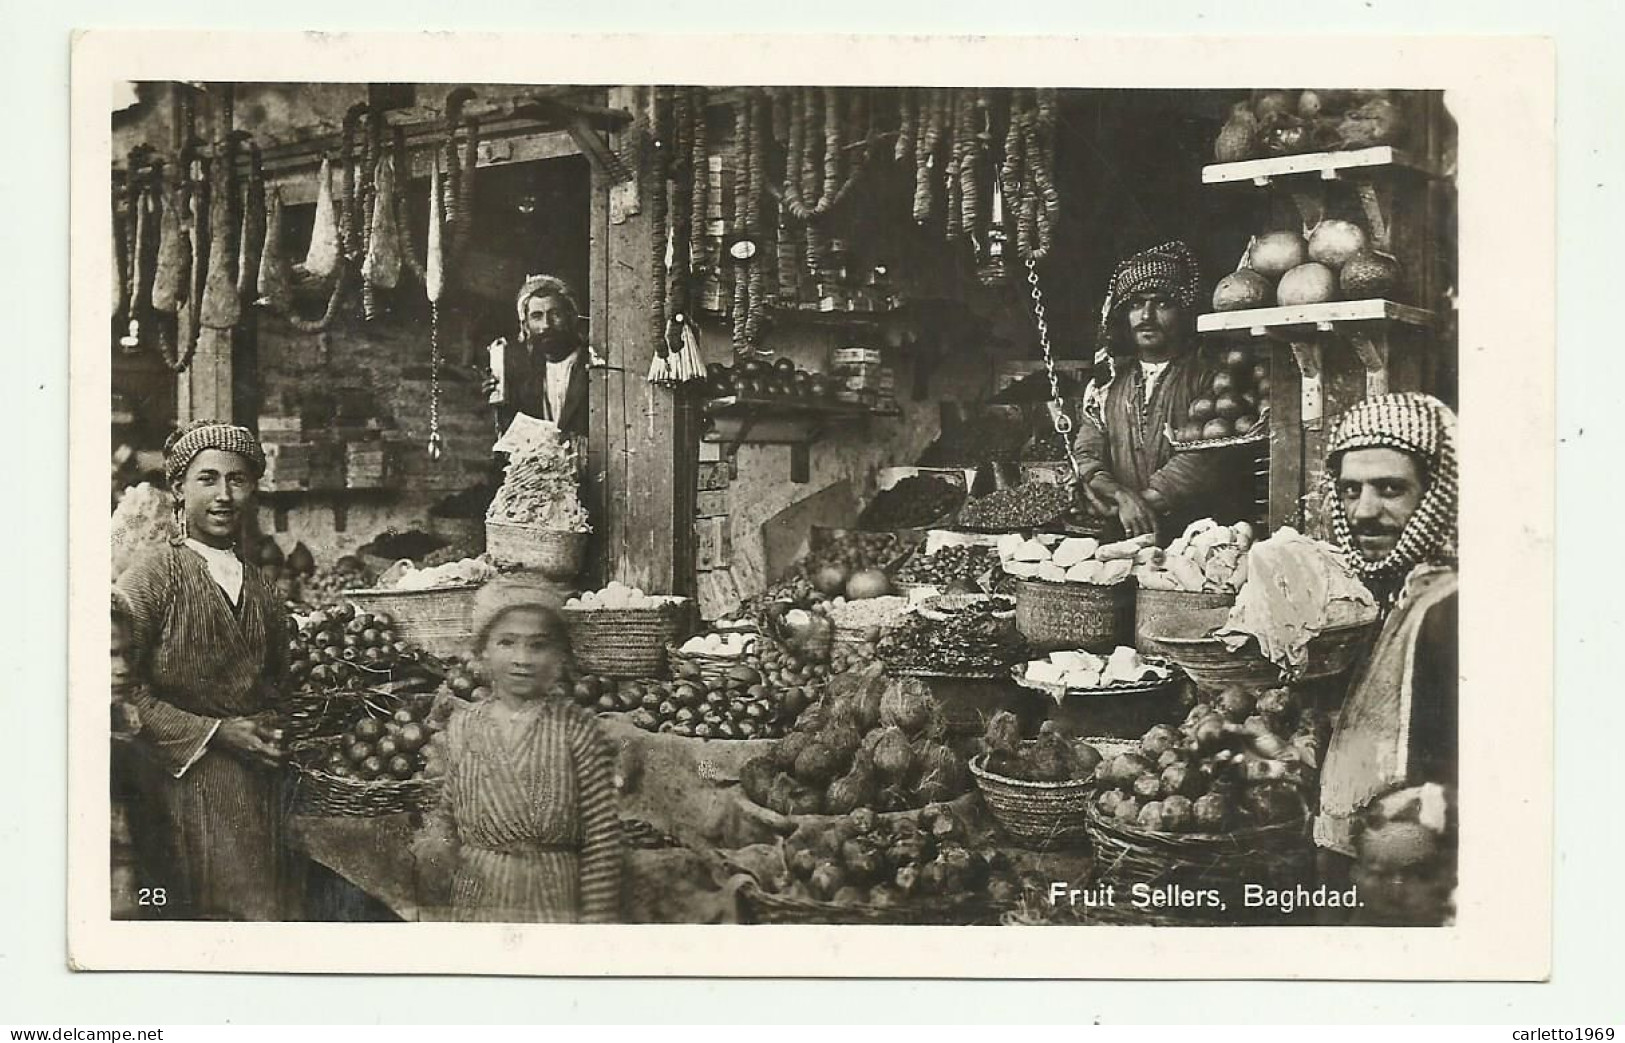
558	384
1150	372
225	567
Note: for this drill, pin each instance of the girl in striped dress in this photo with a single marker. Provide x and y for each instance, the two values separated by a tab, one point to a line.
526	827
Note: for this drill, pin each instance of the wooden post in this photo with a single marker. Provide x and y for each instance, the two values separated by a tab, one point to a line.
643	444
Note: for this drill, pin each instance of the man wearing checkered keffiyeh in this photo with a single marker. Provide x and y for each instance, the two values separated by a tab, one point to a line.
1392	467
1128	467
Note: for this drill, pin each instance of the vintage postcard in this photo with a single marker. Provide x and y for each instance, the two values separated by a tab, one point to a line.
1018	508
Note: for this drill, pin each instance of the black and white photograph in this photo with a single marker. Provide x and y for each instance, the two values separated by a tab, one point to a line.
910	503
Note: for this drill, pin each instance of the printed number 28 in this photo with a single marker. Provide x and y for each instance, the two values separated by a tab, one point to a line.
151	896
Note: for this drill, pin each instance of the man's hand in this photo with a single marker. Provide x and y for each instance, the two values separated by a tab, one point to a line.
1098	501
488	384
1136	515
242	736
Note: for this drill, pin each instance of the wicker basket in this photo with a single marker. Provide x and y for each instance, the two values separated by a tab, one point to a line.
627	642
759	905
318	793
1271	856
315	715
1055	616
555	554
1177	613
1212	665
1042	815
438	620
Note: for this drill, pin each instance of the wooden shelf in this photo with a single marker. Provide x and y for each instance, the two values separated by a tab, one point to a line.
1323	318
1322	166
736	421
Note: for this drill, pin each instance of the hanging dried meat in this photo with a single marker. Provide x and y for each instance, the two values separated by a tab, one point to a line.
221	309
382	267
275	283
173	269
322	259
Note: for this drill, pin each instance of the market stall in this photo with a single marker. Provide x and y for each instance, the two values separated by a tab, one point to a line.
861	639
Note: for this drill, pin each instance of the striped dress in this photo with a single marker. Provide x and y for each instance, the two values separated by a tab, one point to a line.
529	800
208	826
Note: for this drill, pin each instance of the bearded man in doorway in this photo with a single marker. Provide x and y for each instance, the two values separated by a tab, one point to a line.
544	374
1147	374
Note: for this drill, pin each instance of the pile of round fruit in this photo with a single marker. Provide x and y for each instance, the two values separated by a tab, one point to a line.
1240	393
1336	260
384	748
1240	761
734	703
756	379
954	566
864	859
873	742
340	646
917	500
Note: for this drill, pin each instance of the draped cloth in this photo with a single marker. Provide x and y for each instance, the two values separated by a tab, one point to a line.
209	826
529	801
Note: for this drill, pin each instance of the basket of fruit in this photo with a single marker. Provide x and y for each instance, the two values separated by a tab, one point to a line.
1038	791
374	768
1214	665
1219	801
622	632
865	868
439	619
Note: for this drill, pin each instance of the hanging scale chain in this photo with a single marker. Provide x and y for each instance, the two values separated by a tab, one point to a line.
436	442
1057	405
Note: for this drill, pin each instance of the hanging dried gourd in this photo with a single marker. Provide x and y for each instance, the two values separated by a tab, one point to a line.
220	309
251	241
322	259
275	282
173	268
381	270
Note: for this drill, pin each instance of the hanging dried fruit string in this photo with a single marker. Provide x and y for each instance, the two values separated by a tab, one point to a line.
812	178
927	162
350	232
756	184
959	135
252	241
656	146
908	104
403	222
789	244
195	228
739	160
368	191
682	344
700	180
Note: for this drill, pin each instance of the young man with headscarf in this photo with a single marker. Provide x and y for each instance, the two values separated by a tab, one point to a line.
211	638
544	373
1147	375
1392	467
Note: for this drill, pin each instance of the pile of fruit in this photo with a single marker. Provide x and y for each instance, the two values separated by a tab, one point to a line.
1208	557
340	647
1054	757
976	638
916	501
385	748
873	742
1074	559
1025	506
1242	760
780	379
1336	260
959	567
619	596
1082	671
851	564
864	859
1287	122
1235	402
328	583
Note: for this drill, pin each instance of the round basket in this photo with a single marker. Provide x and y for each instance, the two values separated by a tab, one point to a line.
555	554
709	666
314	715
1272	856
1177	613
1055	616
1212	665
627	642
318	793
1041	815
759	905
438	620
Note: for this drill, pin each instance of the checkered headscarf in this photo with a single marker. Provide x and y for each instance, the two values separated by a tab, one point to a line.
1425	427
1169	268
184	445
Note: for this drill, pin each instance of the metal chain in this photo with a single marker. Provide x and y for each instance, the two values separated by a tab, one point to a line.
436	442
1058	414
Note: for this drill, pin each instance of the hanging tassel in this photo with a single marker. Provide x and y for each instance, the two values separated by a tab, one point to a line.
689	365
